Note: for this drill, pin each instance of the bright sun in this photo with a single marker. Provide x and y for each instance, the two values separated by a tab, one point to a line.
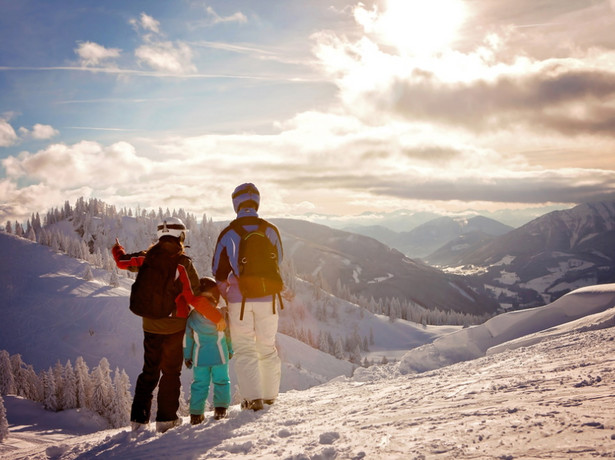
417	26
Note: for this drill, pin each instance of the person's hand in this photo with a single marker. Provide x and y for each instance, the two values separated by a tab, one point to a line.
188	363
221	325
117	250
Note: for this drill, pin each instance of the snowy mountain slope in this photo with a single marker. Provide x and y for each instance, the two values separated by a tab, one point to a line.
365	267
550	399
546	258
495	333
51	312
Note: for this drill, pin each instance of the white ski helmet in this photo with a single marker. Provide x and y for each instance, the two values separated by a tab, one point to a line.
172	226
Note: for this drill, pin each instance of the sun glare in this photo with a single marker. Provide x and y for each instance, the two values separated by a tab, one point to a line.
420	26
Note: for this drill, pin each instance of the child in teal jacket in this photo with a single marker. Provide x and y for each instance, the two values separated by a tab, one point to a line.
207	351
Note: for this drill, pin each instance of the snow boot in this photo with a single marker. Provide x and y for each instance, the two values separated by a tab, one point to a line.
195	419
255	404
269	402
138	426
162	427
219	413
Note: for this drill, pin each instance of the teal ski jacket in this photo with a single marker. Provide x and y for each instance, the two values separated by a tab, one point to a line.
203	344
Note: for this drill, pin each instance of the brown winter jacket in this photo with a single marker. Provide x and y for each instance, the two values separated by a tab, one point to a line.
189	279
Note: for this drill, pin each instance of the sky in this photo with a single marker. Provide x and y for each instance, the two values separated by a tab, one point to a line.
330	106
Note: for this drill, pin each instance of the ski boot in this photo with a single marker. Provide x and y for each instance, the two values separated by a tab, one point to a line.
220	413
195	419
255	404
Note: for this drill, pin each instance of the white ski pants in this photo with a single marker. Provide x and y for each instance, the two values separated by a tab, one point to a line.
257	364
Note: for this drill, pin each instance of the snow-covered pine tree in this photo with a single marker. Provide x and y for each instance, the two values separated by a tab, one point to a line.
69	389
58	378
114	280
120	411
34	387
102	395
83	383
19	375
7	382
338	351
4	424
50	400
87	273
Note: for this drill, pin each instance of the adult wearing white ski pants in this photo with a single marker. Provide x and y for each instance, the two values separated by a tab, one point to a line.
257	364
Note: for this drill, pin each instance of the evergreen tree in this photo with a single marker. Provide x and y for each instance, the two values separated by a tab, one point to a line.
120	410
87	274
17	366
34	388
50	400
338	352
83	383
69	390
114	280
4	424
102	394
323	343
7	382
355	355
30	234
58	377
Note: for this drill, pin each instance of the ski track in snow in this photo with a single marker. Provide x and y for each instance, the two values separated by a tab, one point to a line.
554	399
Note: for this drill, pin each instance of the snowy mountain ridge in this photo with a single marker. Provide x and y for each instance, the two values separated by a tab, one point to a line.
542	260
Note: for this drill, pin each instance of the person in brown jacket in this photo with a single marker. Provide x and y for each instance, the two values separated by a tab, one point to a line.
163	337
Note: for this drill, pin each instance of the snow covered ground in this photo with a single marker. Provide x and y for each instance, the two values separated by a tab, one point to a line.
528	385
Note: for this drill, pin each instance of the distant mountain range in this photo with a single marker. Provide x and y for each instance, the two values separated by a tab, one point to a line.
542	260
404	220
432	235
369	268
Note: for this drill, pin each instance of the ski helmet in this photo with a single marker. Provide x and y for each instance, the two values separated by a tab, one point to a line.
246	192
209	285
172	226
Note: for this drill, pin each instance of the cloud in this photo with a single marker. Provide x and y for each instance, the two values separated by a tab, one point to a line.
147	23
215	18
160	55
166	56
541	99
93	54
42	132
83	164
8	136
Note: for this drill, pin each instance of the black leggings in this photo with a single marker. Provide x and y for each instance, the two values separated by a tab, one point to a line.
162	353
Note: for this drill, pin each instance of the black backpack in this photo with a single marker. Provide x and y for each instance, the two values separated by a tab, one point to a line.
154	291
259	272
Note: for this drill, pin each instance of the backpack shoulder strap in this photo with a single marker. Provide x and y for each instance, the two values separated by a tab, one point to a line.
238	224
